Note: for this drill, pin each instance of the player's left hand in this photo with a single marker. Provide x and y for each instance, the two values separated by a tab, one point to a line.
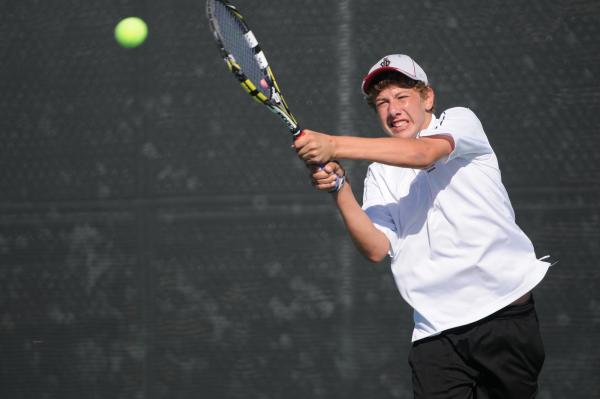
329	177
314	147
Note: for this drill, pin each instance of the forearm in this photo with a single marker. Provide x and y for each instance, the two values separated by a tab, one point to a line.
413	153
319	148
371	242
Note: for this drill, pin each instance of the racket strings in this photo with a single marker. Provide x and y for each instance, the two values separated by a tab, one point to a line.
232	32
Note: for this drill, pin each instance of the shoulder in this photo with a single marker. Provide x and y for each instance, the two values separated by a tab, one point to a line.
458	114
458	121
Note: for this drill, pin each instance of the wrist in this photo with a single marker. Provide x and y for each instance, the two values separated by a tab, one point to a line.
340	194
334	147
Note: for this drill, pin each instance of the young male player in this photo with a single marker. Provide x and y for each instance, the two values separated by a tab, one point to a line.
435	203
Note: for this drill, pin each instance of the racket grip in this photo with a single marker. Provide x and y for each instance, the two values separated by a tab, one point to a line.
297	134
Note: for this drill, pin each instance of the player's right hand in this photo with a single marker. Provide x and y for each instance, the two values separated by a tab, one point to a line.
315	148
327	177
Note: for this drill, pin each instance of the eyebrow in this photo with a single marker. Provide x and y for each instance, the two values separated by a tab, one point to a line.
395	94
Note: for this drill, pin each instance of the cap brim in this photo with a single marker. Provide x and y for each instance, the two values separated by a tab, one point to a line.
371	77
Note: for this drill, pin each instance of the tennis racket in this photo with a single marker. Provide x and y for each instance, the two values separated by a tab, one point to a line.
246	60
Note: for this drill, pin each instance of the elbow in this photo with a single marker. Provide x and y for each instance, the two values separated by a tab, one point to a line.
378	249
424	158
422	163
430	150
375	256
375	259
370	242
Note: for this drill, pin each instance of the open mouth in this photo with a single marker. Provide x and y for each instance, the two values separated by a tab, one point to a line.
399	125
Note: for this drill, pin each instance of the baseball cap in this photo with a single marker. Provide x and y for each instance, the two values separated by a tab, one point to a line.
394	62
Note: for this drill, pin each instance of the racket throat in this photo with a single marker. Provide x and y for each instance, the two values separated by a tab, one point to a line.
275	97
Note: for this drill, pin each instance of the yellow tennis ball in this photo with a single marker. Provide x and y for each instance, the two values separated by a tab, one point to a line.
131	32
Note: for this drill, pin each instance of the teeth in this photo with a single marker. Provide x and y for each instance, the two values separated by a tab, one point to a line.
400	124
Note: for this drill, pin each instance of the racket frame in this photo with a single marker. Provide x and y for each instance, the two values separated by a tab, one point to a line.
275	102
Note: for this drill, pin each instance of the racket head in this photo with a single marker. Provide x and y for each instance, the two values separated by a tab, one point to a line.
246	60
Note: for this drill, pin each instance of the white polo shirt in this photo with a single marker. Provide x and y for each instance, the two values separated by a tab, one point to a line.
457	253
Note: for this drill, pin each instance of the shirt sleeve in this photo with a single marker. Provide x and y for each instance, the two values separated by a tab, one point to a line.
466	131
378	210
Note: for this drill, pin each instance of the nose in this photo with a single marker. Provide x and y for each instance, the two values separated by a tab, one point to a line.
395	108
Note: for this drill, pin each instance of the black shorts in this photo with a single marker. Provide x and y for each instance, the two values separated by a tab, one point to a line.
500	357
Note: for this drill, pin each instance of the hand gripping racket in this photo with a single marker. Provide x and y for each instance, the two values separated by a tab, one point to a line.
246	60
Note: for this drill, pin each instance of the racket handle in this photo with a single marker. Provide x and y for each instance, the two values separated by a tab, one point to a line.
297	134
339	181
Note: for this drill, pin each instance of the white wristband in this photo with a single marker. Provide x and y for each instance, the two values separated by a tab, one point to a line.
339	183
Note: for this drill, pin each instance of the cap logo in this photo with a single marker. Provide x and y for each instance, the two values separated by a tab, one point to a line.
385	62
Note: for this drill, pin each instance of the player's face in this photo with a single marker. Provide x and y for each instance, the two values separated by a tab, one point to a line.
403	112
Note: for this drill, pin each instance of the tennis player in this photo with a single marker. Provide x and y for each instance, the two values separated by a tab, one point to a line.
434	203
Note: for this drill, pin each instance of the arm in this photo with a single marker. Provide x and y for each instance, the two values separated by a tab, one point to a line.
371	242
318	148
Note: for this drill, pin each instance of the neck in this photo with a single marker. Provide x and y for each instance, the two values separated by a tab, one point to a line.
427	120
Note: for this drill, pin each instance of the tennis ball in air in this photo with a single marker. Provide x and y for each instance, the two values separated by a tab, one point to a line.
131	32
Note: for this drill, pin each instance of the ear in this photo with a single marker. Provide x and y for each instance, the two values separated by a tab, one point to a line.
429	99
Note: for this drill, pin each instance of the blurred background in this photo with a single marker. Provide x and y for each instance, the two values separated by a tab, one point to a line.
159	238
